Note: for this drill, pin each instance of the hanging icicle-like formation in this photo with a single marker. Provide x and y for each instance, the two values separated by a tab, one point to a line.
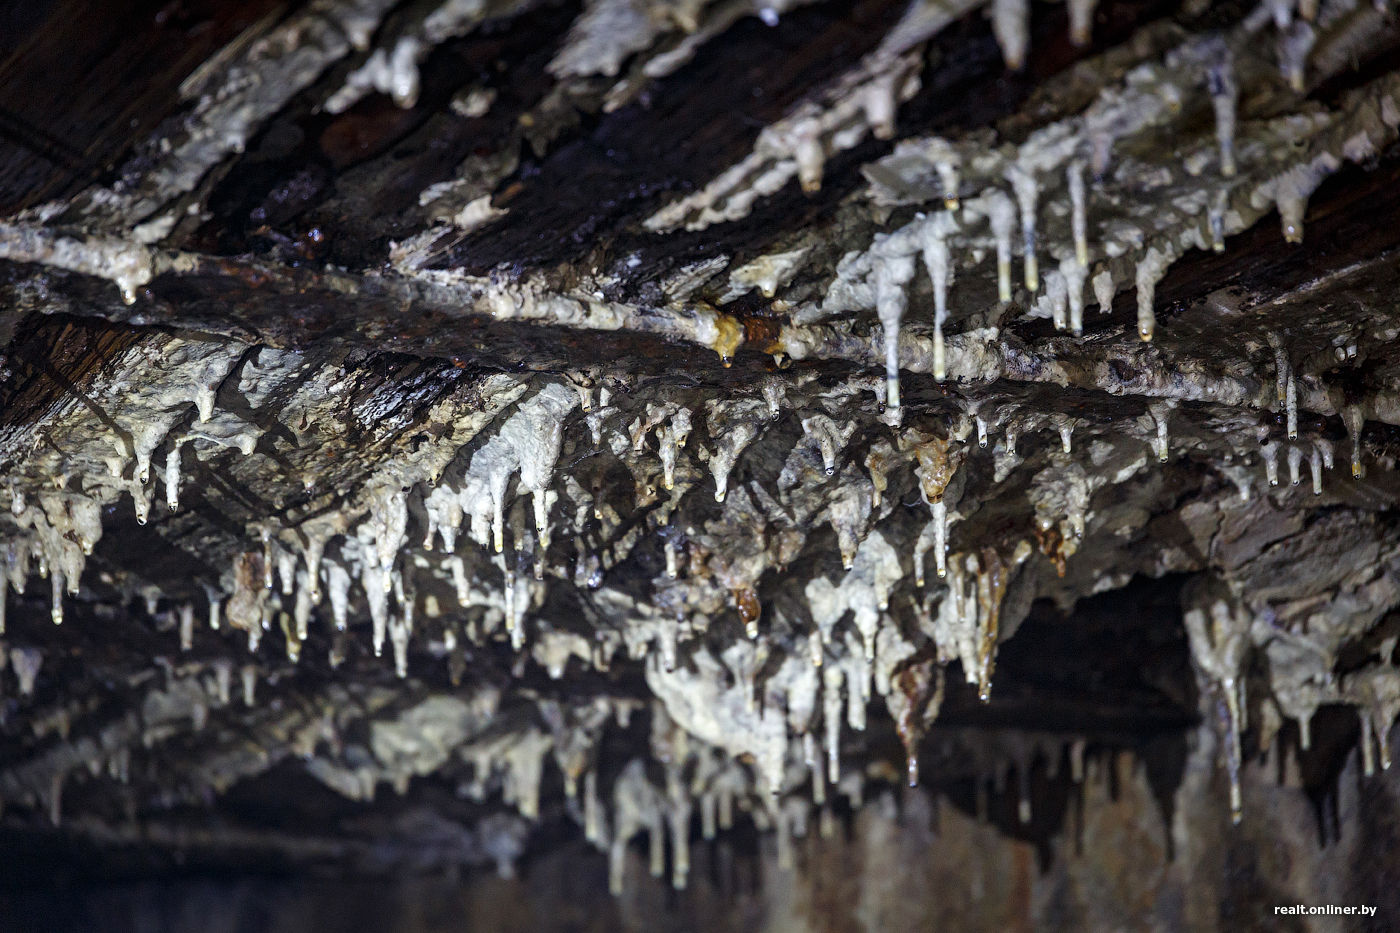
461	496
1219	638
1375	690
1101	237
26	663
1011	20
967	625
936	234
863	100
1224	97
892	274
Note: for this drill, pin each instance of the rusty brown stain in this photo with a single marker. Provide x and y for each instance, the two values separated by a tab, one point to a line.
746	601
762	333
1020	911
1052	545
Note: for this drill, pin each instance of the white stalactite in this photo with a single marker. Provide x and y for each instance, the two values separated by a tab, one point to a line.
1027	191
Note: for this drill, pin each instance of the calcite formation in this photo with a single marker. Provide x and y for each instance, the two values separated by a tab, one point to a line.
977	350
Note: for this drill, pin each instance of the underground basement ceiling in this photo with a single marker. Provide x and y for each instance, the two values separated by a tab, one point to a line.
724	465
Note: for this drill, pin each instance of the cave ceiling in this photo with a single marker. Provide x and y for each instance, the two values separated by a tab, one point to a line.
431	429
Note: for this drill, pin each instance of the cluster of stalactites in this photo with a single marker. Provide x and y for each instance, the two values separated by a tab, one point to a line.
863	101
966	626
526	445
1301	678
1096	232
329	553
58	533
1316	451
172	705
700	775
1219	639
256	603
717	701
697	778
1375	691
58	523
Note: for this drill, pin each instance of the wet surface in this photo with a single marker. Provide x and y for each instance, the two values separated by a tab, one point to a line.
313	189
82	81
592	195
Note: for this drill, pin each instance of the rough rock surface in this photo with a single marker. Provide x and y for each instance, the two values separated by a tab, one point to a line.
447	437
